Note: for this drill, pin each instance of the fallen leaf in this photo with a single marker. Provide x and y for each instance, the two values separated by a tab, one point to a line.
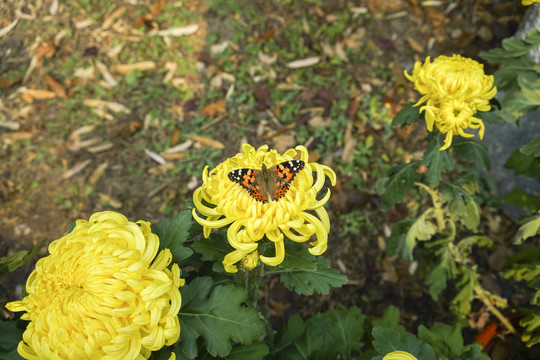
115	14
214	109
178	31
56	86
16	136
141	66
154	156
100	148
98	173
8	28
39	94
76	169
6	83
415	45
310	61
156	8
174	156
267	35
207	142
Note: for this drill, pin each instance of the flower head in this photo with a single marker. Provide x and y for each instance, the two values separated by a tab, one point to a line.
298	215
529	2
398	355
454	89
102	293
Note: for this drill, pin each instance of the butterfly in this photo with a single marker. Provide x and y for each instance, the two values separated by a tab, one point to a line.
265	184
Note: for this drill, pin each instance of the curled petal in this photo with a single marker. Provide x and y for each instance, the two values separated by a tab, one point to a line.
280	255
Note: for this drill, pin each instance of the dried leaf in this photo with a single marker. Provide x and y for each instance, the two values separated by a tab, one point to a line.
214	109
267	35
415	45
154	156
174	156
56	86
157	7
207	142
179	31
39	94
6	83
76	169
178	148
100	148
110	19
310	61
98	173
141	66
8	28
106	74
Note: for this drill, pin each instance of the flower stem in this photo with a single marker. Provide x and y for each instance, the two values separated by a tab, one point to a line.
480	294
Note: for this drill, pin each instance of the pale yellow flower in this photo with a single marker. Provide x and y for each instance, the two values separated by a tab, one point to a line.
529	2
250	261
454	89
102	293
399	355
298	215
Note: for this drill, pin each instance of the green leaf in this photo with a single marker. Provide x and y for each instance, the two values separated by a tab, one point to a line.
394	187
461	206
465	245
422	230
471	151
305	281
515	105
447	342
172	235
347	329
530	87
15	261
214	248
407	115
11	355
331	335
437	161
398	236
10	335
461	304
297	256
389	340
216	314
529	228
512	48
445	269
531	326
253	351
522	199
522	164
390	319
532	148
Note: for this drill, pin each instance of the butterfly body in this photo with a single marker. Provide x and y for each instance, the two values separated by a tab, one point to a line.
268	184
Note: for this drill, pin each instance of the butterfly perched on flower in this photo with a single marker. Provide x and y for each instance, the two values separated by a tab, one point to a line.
268	184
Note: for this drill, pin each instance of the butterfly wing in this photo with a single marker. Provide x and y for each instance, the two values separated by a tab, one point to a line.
247	178
286	172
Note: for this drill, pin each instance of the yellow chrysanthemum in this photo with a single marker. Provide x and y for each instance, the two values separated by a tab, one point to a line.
250	220
102	293
455	88
399	355
529	2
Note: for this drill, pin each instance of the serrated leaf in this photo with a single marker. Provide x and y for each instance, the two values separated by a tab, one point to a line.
532	148
306	282
214	248
394	187
297	256
389	340
15	261
512	48
390	320
407	115
530	87
436	280
531	326
11	355
461	206
465	245
437	161
447	342
172	235
331	335
217	315
522	164
347	329
398	236
461	304
515	106
422	230
471	151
